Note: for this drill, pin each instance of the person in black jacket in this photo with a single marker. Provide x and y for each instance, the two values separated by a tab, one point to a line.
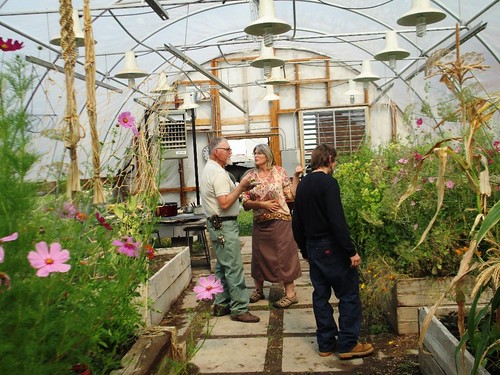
322	235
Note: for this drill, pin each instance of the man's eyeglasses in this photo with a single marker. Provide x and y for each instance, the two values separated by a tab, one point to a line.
228	149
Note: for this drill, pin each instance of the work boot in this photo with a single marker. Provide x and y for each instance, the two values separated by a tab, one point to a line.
246	317
360	350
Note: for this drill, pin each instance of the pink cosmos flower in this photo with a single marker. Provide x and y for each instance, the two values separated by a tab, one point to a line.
9	238
208	287
403	161
128	247
48	260
128	121
496	145
419	122
431	180
68	211
102	221
449	184
9	45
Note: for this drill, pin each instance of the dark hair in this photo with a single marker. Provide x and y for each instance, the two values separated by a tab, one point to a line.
214	142
322	156
266	150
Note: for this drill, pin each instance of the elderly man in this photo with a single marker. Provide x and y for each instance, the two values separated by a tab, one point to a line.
219	198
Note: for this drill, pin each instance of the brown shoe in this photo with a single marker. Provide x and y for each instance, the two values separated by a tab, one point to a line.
246	317
360	350
256	296
221	310
285	302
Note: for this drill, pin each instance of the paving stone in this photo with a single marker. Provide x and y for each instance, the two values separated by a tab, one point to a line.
224	326
231	355
300	354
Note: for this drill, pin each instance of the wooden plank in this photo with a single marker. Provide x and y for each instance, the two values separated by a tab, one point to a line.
442	344
147	352
164	302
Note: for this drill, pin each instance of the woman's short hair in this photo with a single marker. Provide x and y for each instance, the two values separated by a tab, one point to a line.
266	150
322	156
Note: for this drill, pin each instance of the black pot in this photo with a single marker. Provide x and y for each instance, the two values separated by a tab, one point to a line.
167	209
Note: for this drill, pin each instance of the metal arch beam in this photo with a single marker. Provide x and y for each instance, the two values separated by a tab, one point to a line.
60	69
177	53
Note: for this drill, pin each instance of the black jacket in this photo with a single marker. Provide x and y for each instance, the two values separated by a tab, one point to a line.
318	212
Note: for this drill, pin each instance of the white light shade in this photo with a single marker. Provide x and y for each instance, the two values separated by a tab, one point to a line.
352	91
267	58
276	77
267	25
188	101
77	29
366	74
420	15
391	52
130	69
163	85
270	95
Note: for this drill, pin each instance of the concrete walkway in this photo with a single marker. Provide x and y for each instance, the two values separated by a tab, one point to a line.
283	342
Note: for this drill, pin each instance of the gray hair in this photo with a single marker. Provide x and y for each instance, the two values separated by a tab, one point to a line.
214	142
266	150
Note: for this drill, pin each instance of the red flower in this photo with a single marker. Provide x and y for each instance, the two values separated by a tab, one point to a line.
150	251
419	122
9	45
418	157
102	221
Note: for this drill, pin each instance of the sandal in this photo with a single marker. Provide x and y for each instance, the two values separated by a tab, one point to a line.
256	296
285	302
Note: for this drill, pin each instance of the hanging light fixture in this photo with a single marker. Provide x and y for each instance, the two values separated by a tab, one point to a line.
270	95
189	101
277	77
366	74
420	15
391	52
163	85
77	30
352	91
267	60
130	70
267	25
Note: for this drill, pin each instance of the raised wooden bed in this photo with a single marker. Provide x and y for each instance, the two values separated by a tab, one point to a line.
438	356
166	285
408	295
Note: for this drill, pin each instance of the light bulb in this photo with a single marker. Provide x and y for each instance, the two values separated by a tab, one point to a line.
351	99
268	37
421	26
392	62
267	71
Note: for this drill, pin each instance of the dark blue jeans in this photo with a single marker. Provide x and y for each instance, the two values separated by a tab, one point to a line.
330	268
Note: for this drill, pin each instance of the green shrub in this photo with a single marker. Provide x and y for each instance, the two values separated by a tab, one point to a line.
87	314
245	221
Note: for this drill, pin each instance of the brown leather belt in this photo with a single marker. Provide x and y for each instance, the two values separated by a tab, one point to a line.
228	218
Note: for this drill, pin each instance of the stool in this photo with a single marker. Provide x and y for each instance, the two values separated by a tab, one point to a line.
199	230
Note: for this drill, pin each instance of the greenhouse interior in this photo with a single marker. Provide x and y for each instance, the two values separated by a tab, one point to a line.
107	112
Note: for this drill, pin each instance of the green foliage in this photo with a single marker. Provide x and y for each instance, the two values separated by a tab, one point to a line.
245	221
86	315
372	182
483	334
